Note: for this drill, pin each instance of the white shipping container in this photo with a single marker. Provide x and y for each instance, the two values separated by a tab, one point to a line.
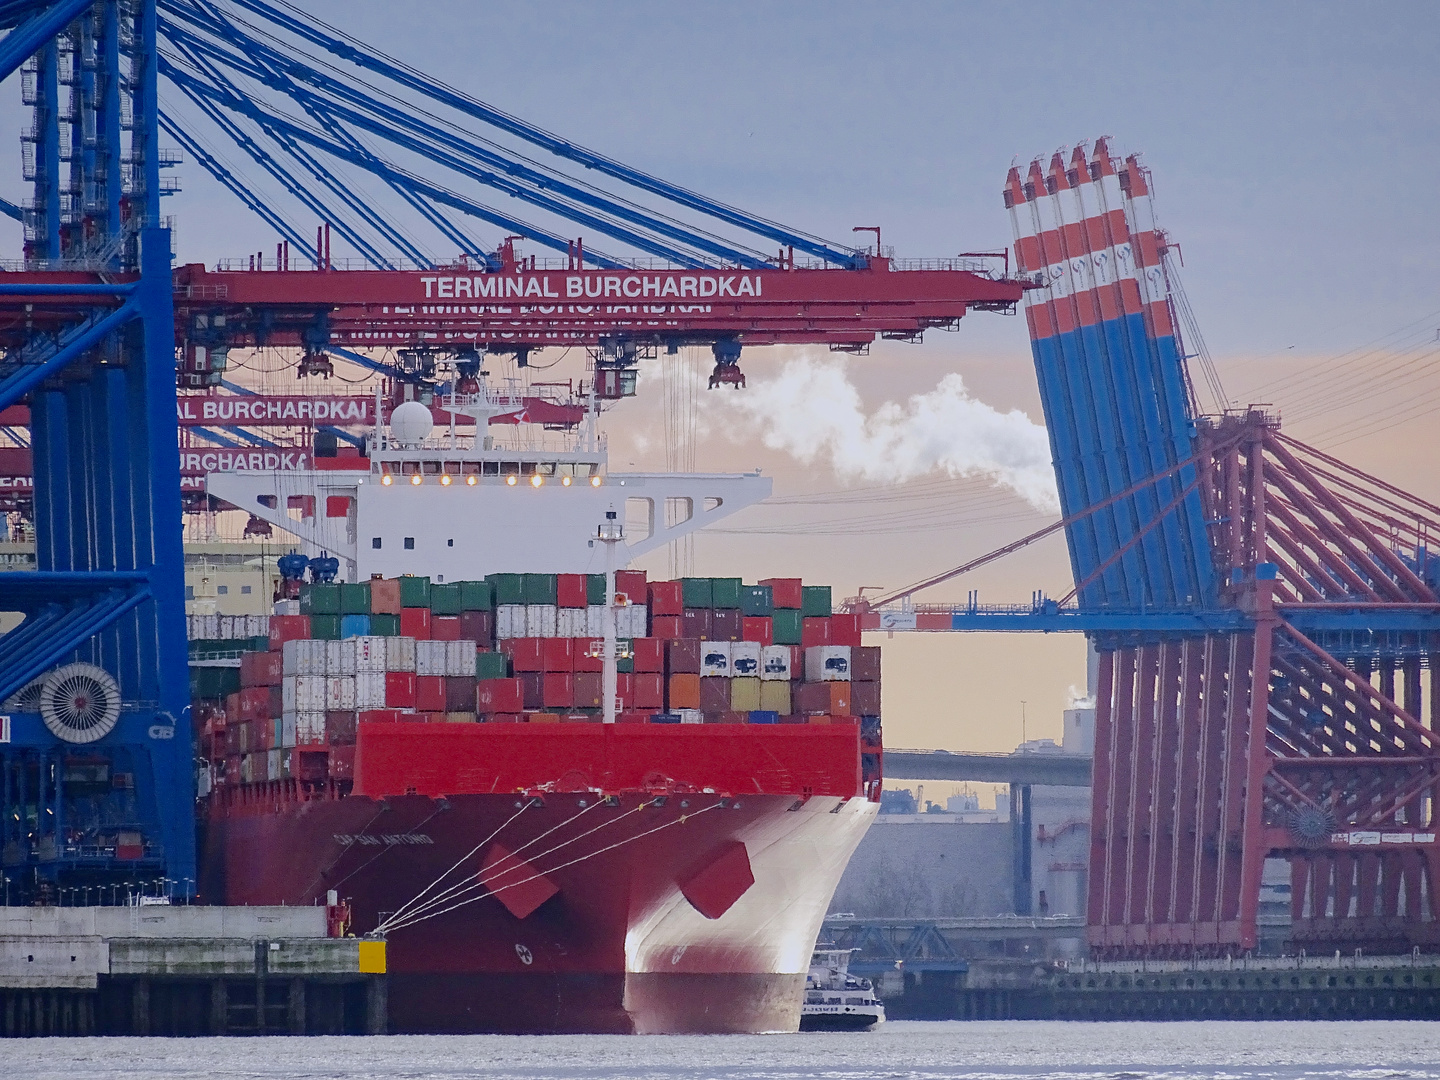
715	658
340	693
827	663
272	764
775	663
285	730
400	654
540	620
288	694
595	621
369	690
309	729
302	657
510	620
690	716
191	624
571	622
224	627
340	657
369	653
210	627
430	657
257	626
286	607
460	657
309	693
745	659
634	620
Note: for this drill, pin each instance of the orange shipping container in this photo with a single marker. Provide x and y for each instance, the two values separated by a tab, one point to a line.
384	596
684	691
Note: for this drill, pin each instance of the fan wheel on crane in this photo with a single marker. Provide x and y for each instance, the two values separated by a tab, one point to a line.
1311	826
27	698
80	703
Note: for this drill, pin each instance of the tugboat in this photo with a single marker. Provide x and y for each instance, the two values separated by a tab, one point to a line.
835	1000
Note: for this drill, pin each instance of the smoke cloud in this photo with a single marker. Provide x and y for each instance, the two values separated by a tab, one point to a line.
812	411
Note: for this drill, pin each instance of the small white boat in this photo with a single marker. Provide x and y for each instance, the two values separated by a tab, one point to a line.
835	1000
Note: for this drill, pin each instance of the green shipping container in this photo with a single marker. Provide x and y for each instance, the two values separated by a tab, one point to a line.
725	592
626	663
414	591
476	596
318	599
540	589
695	592
595	589
445	599
385	625
355	599
814	601
214	682
492	665
757	600
786	625
508	588
325	627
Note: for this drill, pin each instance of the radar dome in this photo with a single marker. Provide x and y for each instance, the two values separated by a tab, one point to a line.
411	423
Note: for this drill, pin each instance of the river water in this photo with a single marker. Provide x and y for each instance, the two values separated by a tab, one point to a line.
1212	1050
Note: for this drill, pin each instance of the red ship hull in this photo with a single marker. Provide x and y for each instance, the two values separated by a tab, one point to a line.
622	899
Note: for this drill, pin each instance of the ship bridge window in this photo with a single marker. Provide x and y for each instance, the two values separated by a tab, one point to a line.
432	468
375	542
453	468
546	468
490	468
509	468
410	468
389	468
470	468
586	468
566	468
527	468
409	543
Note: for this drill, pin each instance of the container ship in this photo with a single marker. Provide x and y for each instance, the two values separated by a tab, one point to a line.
424	746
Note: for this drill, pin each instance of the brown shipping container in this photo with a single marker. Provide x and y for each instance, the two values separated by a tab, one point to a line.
558	690
648	690
478	626
589	689
696	623
727	625
684	691
340	728
460	693
532	685
384	596
865	699
811	698
683	658
714	694
865	663
775	697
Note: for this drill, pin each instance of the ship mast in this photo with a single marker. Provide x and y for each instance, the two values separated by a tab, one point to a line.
610	533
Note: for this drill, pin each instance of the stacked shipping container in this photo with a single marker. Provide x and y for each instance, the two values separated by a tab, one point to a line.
527	648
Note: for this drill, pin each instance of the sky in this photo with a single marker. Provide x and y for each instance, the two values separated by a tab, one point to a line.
1293	146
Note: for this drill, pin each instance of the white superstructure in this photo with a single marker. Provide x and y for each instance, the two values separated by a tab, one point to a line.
457	507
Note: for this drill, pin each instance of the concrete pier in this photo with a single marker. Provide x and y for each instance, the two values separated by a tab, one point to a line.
185	971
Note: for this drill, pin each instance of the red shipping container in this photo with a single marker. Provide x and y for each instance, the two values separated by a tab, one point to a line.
342	762
695	623
558	690
479	627
285	628
714	694
339	728
588	654
445	628
310	764
759	628
571	590
666	626
526	653
430	717
815	632
865	698
499	696
649	690
382	716
588	690
625	690
648	654
429	693
261	668
557	654
682	656
632	584
632	717
415	622
865	663
254	702
532	690
812	698
727	625
506	718
400	689
797	662
460	693
666	598
785	591
845	630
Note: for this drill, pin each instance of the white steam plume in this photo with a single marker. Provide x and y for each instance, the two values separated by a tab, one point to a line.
812	411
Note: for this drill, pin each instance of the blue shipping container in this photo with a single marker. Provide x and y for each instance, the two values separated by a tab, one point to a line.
354	626
764	716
